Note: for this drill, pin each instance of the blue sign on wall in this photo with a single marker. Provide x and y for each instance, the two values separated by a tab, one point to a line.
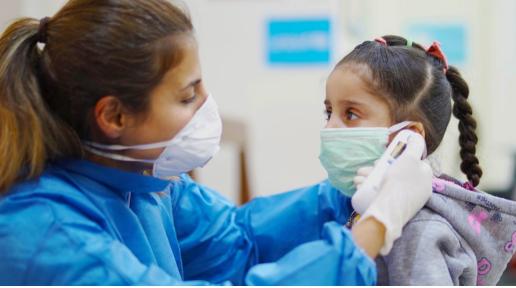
453	39
299	41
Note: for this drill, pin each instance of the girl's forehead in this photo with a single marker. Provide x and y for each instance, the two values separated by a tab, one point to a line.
348	88
347	82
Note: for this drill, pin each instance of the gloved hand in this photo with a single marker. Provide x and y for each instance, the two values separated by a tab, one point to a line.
362	199
405	189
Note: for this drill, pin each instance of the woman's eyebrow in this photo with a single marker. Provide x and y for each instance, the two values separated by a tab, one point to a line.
191	84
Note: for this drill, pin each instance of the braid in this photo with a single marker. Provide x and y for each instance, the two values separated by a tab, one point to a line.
467	125
461	109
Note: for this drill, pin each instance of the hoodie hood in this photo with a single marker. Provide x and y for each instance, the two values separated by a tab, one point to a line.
485	222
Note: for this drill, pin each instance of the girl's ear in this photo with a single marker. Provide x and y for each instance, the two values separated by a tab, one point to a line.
414	127
417	127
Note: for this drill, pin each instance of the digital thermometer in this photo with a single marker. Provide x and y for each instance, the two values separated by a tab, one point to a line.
372	183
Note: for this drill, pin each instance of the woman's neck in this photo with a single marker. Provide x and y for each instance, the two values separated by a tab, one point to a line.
136	167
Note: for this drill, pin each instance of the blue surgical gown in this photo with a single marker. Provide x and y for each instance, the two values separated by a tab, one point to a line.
84	224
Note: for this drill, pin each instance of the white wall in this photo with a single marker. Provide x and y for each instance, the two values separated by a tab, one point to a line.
40	8
8	12
499	99
282	107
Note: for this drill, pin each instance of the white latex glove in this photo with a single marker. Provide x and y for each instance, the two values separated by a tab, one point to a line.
362	199
362	174
405	189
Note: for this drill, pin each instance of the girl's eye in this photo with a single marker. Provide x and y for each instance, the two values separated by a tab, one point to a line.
189	100
351	116
327	113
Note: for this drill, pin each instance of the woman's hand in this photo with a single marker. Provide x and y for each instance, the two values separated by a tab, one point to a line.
363	198
369	235
405	190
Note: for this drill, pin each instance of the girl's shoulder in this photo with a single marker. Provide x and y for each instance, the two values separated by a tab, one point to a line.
447	187
468	230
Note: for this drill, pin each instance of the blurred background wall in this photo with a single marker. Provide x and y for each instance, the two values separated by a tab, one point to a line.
277	102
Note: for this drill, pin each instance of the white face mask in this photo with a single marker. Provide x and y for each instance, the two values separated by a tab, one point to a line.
191	148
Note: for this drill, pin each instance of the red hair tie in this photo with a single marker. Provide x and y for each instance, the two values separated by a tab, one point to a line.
381	41
436	51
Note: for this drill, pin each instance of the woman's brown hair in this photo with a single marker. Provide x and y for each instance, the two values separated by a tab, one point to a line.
89	49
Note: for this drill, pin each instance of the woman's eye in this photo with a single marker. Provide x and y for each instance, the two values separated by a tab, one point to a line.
189	100
351	116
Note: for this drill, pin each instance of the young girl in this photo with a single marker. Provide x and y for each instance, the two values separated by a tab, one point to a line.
462	236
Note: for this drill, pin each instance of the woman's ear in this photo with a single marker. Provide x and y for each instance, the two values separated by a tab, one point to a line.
109	117
417	127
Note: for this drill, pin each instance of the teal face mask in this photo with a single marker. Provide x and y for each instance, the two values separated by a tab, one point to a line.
345	150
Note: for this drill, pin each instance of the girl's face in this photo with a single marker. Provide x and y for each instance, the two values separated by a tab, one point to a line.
349	102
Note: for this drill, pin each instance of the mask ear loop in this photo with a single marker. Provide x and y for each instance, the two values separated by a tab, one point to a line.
117	157
123	147
400	126
162	144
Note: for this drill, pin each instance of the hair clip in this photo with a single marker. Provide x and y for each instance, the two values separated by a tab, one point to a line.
436	51
381	41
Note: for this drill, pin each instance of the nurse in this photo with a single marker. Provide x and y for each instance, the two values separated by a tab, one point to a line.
99	123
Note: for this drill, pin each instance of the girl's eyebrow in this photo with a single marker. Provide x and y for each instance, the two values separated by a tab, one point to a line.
344	102
350	103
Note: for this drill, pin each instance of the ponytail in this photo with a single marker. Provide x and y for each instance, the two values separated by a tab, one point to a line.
29	134
467	125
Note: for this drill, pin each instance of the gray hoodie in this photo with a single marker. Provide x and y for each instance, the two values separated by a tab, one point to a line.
460	237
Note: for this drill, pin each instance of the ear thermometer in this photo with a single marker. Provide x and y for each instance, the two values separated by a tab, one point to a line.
372	183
